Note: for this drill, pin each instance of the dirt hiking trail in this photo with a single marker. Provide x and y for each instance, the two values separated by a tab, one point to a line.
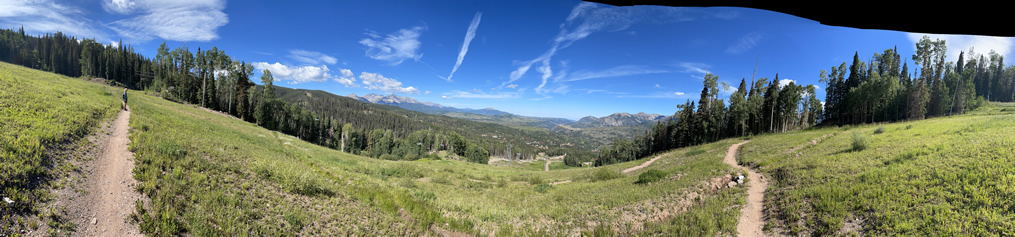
642	165
110	196
751	222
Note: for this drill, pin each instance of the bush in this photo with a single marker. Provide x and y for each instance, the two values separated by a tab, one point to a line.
389	157
859	142
651	176
603	174
543	187
535	179
909	126
880	130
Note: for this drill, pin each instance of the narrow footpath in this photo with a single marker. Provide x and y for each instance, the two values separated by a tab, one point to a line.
751	222
110	196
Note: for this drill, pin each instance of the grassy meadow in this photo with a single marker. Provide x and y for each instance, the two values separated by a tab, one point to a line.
41	114
943	176
209	174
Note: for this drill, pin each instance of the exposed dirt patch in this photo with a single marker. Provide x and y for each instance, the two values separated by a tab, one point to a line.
561	182
814	141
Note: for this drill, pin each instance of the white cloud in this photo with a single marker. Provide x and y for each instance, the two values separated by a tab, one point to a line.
744	43
119	6
45	16
657	86
512	86
183	20
785	82
480	95
374	81
394	48
298	74
426	92
678	93
347	78
311	57
958	43
469	34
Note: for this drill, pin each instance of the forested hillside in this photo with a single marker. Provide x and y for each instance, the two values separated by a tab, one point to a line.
882	90
212	79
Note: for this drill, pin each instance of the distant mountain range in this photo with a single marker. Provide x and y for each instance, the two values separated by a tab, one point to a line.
425	107
623	125
617	120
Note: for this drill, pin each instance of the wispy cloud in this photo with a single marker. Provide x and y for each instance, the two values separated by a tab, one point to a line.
620	71
302	74
662	95
469	34
588	18
745	43
512	86
559	83
311	57
375	81
394	48
191	20
599	91
959	43
44	16
480	95
689	67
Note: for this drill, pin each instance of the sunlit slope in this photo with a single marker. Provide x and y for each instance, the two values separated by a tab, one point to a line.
211	174
38	112
943	176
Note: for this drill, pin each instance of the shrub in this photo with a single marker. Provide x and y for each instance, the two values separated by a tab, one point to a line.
909	126
389	157
441	179
880	130
859	142
603	174
651	176
543	187
535	179
411	157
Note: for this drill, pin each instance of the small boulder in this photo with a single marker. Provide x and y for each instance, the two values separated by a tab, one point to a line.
731	184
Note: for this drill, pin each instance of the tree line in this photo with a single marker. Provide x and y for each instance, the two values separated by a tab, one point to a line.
881	90
214	80
758	106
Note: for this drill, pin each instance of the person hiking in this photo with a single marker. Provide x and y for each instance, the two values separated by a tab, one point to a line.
125	99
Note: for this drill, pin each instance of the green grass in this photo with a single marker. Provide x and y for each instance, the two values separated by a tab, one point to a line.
40	114
937	177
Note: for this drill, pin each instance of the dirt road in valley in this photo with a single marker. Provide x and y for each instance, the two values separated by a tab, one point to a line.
751	221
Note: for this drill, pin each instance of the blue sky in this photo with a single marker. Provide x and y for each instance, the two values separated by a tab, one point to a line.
566	59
